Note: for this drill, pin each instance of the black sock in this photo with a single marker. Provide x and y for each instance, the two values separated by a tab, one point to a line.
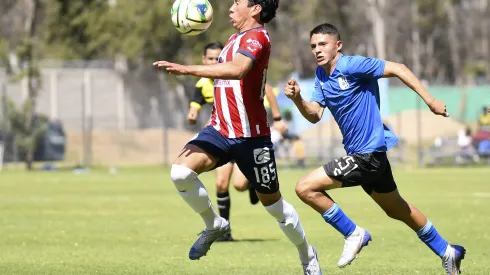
224	204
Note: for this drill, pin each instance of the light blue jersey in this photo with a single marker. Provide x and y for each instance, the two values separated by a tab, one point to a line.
351	93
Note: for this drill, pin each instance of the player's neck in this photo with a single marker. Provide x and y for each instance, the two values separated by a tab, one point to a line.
250	25
330	66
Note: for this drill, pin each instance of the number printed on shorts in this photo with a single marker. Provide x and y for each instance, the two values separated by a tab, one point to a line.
265	175
344	165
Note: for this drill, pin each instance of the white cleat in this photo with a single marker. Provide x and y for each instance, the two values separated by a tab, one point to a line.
313	267
451	262
206	239
353	245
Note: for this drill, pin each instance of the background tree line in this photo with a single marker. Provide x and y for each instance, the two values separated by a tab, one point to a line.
443	41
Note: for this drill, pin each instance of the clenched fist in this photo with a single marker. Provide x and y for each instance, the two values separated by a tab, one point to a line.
292	89
438	107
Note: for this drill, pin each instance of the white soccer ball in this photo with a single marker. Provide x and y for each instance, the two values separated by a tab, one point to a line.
192	17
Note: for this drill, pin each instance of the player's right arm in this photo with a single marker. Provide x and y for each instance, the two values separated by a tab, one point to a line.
312	111
403	73
196	102
374	68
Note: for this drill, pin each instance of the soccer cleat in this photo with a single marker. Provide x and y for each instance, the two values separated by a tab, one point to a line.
252	195
451	262
225	238
206	239
313	267
353	245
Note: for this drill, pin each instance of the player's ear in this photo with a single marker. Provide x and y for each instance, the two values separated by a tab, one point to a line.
339	45
256	9
203	58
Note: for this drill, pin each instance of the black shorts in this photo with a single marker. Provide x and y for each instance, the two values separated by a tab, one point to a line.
372	171
254	156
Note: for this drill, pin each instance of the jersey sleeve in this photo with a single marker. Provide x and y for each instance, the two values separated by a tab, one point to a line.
366	67
317	95
253	44
198	99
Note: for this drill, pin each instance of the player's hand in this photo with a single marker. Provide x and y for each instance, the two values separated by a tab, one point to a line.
280	126
292	89
192	116
438	107
172	68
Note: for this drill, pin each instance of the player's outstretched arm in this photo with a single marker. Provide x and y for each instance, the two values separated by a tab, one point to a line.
279	124
401	71
228	70
312	111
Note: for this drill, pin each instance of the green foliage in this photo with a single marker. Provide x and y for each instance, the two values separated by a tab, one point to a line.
26	137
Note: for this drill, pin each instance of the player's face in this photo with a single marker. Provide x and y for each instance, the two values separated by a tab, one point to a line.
240	13
211	56
325	48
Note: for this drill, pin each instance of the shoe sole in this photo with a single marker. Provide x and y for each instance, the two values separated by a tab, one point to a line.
365	242
228	230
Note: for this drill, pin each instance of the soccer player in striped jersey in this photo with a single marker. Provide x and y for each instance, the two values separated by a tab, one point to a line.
238	130
204	94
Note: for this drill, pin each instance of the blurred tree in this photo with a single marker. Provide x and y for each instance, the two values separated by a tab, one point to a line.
20	54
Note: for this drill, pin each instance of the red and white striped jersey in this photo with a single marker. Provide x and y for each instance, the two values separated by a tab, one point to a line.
238	109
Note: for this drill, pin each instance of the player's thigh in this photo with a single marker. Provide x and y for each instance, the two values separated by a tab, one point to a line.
223	174
206	151
356	169
269	199
238	179
385	183
317	180
256	160
196	159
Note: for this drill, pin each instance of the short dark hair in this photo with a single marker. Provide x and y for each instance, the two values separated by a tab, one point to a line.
269	8
326	28
212	46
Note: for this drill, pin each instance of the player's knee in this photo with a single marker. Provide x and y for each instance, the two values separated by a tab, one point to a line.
222	184
303	189
182	176
241	185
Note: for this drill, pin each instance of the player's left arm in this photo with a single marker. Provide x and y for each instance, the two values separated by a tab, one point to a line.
276	113
229	70
393	69
251	47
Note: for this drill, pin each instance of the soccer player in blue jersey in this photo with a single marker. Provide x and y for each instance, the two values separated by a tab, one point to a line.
347	86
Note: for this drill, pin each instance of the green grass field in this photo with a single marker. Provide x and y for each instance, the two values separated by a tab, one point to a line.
135	223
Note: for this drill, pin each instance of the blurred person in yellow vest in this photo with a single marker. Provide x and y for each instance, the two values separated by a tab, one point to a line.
484	119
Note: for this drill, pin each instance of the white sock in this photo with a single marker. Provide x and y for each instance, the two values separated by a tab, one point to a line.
288	220
195	195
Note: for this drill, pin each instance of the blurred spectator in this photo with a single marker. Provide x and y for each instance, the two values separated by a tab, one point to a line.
484	119
465	143
484	149
299	151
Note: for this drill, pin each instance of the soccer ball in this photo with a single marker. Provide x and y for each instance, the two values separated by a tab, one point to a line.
192	17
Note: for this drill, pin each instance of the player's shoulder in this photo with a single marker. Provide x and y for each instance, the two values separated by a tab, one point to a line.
347	61
202	81
259	34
